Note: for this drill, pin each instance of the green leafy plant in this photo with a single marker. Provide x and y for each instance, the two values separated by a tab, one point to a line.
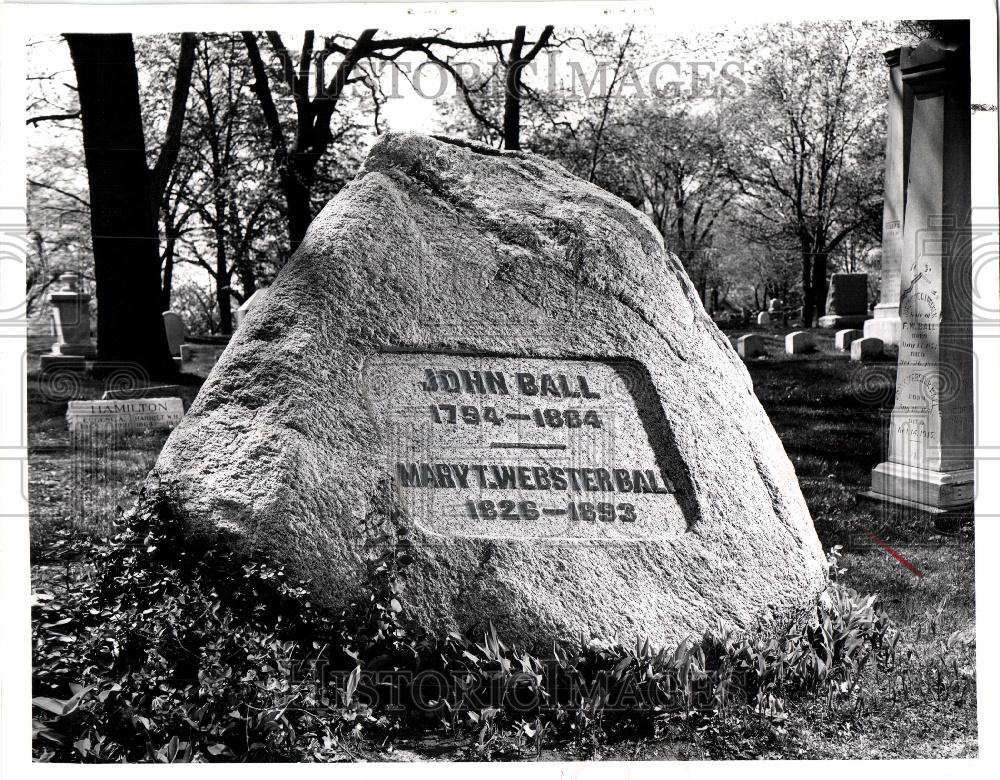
150	648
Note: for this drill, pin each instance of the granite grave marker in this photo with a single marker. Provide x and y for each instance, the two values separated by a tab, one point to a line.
134	414
847	301
503	358
930	461
750	346
845	338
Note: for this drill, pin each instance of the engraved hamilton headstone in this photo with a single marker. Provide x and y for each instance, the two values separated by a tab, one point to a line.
502	358
134	414
930	462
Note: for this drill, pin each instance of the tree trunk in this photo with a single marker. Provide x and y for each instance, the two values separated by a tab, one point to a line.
297	186
702	287
245	273
223	279
512	93
168	273
807	292
125	233
512	110
819	282
516	62
243	267
223	299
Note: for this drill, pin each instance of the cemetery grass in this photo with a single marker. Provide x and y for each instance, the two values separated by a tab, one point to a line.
829	413
81	490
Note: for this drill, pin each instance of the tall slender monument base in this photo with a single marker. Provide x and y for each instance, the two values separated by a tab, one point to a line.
71	320
886	324
930	462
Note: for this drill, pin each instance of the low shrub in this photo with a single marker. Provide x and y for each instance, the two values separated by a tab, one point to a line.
151	649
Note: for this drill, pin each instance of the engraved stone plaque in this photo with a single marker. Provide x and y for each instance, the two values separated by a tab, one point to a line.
505	447
136	414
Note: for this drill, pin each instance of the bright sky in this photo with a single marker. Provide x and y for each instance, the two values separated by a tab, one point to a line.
671	58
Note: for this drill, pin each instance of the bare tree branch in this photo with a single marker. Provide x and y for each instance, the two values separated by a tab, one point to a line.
262	89
35	120
67	194
172	142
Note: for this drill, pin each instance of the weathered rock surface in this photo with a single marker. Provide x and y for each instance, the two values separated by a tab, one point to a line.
447	247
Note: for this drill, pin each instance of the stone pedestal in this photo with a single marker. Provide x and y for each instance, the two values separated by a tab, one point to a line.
930	462
926	489
71	322
886	323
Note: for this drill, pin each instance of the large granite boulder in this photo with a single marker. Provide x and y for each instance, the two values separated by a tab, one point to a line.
503	359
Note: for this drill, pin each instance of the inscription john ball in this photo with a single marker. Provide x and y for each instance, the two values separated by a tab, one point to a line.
498	447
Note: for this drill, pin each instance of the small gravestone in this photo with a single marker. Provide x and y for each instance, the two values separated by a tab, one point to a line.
865	349
248	305
749	346
847	301
125	415
502	360
844	338
174	327
763	318
799	342
774	306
